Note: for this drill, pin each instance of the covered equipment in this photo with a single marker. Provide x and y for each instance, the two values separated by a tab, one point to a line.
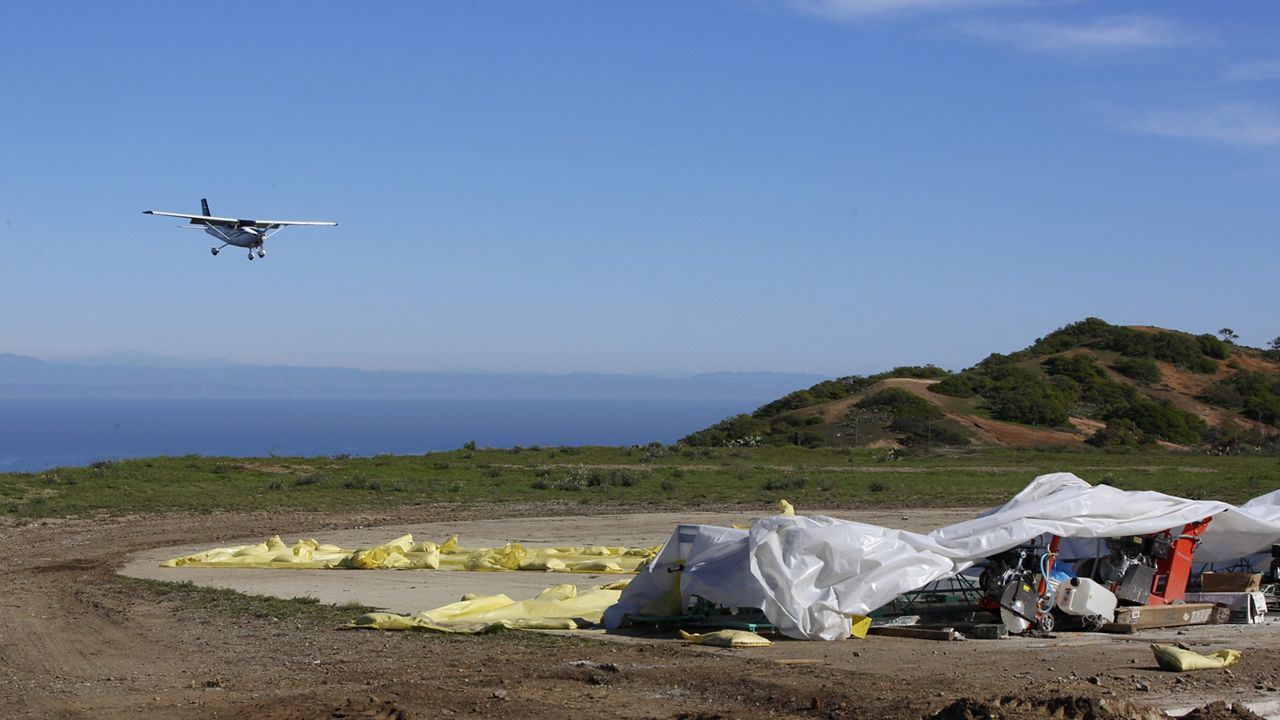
811	574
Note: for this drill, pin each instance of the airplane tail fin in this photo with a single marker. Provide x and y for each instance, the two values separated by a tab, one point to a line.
204	205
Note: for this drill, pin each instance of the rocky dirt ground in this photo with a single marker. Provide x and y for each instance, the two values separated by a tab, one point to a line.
77	642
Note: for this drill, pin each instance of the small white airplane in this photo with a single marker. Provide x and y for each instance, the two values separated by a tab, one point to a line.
234	231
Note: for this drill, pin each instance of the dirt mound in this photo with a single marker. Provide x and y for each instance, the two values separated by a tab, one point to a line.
1068	707
1076	708
1222	711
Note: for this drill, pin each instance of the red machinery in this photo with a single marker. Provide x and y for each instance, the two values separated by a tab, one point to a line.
1151	569
1141	570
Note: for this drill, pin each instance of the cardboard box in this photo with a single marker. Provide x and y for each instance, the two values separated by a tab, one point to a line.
1216	582
1246	607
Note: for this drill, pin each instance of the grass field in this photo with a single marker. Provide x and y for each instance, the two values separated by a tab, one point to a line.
600	477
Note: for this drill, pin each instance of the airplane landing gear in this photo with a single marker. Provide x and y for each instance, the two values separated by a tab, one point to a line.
250	254
214	251
262	253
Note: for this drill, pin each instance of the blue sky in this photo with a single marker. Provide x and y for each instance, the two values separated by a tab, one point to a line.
831	186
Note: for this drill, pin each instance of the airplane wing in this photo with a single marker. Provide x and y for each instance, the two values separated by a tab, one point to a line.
200	219
282	223
236	222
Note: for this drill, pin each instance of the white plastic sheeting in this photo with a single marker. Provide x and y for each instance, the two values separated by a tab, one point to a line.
810	573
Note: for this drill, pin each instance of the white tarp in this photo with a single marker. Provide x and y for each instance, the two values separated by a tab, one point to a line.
809	574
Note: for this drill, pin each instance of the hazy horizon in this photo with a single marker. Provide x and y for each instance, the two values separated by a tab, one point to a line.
147	358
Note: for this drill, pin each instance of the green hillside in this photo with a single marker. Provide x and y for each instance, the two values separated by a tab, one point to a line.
1087	384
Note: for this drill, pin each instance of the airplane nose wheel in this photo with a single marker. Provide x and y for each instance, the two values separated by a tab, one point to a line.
214	251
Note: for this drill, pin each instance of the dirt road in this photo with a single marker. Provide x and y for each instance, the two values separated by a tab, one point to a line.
75	642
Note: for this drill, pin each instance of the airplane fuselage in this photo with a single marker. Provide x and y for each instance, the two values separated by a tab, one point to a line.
240	237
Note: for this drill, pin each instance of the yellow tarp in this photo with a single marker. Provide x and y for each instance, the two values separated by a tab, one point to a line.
1173	658
859	625
727	638
403	553
560	607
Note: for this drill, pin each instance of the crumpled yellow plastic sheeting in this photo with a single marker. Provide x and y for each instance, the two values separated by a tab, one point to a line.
727	638
557	608
1169	657
403	553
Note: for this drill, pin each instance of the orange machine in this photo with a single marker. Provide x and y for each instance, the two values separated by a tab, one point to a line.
1140	569
1151	569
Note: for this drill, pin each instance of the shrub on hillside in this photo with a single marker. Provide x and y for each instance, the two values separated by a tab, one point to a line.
1143	370
1039	405
825	391
995	361
1231	439
1195	354
785	423
1265	409
962	385
1178	349
900	403
918	372
1253	394
1069	387
1020	395
737	430
1223	394
1083	379
1084	332
1098	400
1080	368
1118	433
1163	421
1203	365
806	439
1213	347
1129	342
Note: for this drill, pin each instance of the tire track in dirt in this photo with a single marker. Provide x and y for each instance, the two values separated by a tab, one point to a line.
62	645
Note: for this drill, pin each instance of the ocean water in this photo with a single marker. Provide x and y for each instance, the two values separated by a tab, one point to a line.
44	433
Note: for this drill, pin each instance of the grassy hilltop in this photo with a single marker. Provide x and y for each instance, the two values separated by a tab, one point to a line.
1089	384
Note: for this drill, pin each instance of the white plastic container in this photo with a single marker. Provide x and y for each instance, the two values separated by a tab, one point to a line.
1082	596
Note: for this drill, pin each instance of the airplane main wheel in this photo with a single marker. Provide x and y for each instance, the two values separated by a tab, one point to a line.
214	251
251	255
262	253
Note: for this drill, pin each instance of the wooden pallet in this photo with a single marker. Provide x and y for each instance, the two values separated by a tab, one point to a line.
916	633
1147	617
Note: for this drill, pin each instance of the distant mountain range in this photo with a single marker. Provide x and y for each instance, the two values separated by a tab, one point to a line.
143	375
